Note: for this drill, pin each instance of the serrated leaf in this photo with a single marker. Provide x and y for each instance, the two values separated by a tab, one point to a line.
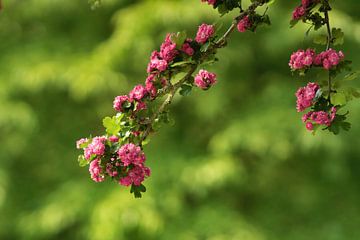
338	36
112	125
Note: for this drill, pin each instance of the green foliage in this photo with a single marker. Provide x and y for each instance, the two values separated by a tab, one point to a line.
338	36
113	124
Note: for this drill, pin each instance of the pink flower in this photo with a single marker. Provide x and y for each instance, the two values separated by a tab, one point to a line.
140	106
244	24
95	171
96	147
168	49
309	126
298	13
329	58
131	154
135	176
156	63
151	89
305	96
186	47
205	79
138	92
302	59
113	139
119	101
204	33
319	118
80	142
210	2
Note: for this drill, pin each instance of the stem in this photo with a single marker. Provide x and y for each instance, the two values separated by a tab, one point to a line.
172	90
328	45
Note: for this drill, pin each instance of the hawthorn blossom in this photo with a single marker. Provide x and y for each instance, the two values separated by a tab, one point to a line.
95	171
186	47
205	79
135	175
119	101
131	154
329	58
319	117
168	49
205	31
96	147
305	96
244	24
138	92
302	59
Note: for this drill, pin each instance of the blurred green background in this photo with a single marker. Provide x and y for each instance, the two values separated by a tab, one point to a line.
238	164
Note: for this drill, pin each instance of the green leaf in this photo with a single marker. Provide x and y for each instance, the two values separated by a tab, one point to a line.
293	23
222	9
178	76
320	39
82	161
271	2
176	64
112	125
351	76
338	36
185	90
137	190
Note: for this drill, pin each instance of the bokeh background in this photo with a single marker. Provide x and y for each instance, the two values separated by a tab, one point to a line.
238	164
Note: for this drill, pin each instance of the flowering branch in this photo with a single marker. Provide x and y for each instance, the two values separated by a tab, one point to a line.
119	154
324	98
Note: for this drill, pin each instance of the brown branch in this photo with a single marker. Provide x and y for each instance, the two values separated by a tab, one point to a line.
328	45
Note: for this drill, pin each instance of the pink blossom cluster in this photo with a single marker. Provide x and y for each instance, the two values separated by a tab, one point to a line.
131	154
244	24
306	95
205	31
301	10
319	118
95	148
127	165
205	79
95	171
329	58
210	2
135	175
303	59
